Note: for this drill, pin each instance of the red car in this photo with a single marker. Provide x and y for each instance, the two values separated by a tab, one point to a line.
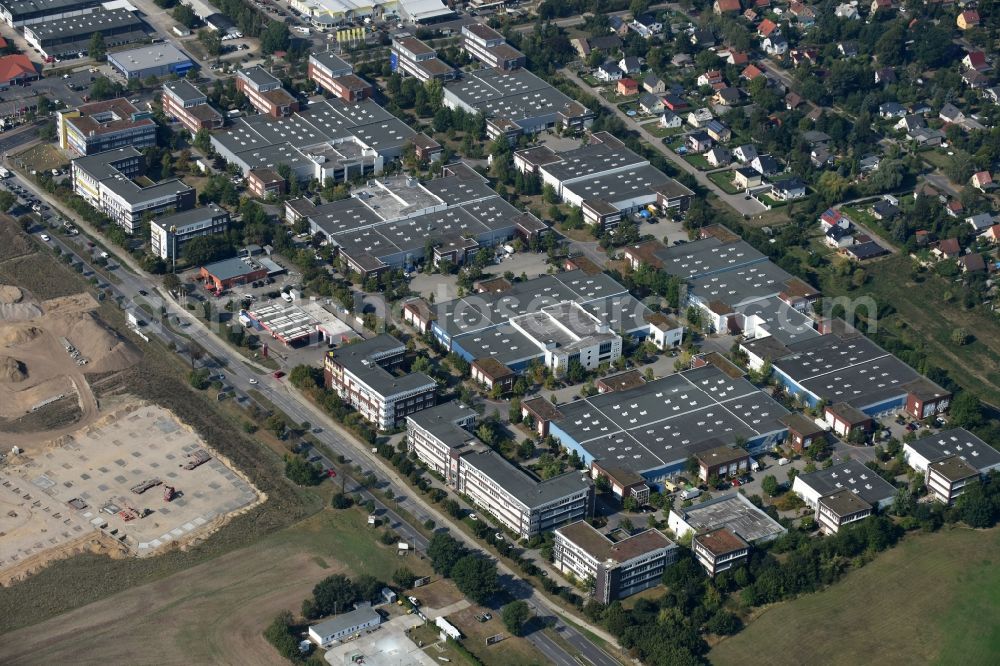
278	374
736	483
331	473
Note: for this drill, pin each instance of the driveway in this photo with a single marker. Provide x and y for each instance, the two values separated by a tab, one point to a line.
742	206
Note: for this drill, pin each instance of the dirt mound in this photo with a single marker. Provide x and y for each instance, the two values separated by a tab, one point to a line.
13	335
104	351
12	370
9	294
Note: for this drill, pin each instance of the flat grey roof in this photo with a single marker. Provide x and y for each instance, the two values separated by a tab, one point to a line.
957	442
785	324
189	217
230	268
442	422
19	8
670	419
594	158
259	76
84	24
346	621
620	186
184	90
741	285
530	492
357	357
157	55
735	513
850	475
514	95
706	256
331	61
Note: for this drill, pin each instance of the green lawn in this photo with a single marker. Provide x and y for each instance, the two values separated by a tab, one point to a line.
659	132
724	179
932	599
698	161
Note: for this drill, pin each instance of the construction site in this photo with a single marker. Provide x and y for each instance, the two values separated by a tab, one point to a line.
131	483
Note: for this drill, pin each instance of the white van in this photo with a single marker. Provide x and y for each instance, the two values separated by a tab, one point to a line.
690	493
783	461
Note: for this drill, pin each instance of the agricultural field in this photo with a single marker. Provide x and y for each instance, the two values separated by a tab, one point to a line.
932	599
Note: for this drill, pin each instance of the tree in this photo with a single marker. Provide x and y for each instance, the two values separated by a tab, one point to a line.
279	634
211	40
103	88
206	249
301	472
97	49
203	141
769	485
342	501
184	15
334	594
975	507
7	201
476	578
404	578
515	615
960	336
275	38
444	551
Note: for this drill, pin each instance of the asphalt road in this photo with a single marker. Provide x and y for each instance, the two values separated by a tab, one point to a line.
244	376
9	141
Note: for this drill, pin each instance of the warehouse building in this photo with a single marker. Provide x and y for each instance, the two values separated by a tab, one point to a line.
950	460
330	140
850	475
606	180
264	91
391	223
18	13
442	439
105	181
654	429
70	35
515	102
556	320
184	102
343	626
362	374
334	75
856	379
618	569
158	60
169	234
228	273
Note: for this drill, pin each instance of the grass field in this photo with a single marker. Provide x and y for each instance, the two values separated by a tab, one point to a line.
42	157
932	599
724	179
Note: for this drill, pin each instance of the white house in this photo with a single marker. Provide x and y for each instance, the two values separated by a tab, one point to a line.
670	120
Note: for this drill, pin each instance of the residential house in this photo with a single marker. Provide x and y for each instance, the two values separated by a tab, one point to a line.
718	156
726	97
848	49
816	138
674	102
698	142
832	217
975	60
646	26
847	11
891	110
630	65
839	236
767	27
775	45
980	222
718	131
946	249
864	250
627	87
885	75
793	101
653	84
751	72
650	103
972	263
765	165
700	118
954	208
884	210
879	5
670	120
618	26
744	178
737	58
710	78
869	163
949	113
788	189
926	137
967	19
609	71
727	7
821	157
746	153
974	79
801	56
910	122
982	181
804	14
992	94
682	59
992	234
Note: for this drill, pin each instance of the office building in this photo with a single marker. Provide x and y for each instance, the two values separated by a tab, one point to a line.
490	48
97	127
71	35
442	439
400	221
362	374
169	234
945	459
839	509
733	512
332	140
335	76
106	181
411	57
184	102
849	475
264	91
341	627
515	102
654	429
719	550
618	569
159	60
556	320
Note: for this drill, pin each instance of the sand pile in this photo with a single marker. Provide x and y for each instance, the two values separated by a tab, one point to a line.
104	351
12	370
14	306
17	334
10	294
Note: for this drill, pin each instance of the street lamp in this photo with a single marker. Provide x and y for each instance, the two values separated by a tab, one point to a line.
173	252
